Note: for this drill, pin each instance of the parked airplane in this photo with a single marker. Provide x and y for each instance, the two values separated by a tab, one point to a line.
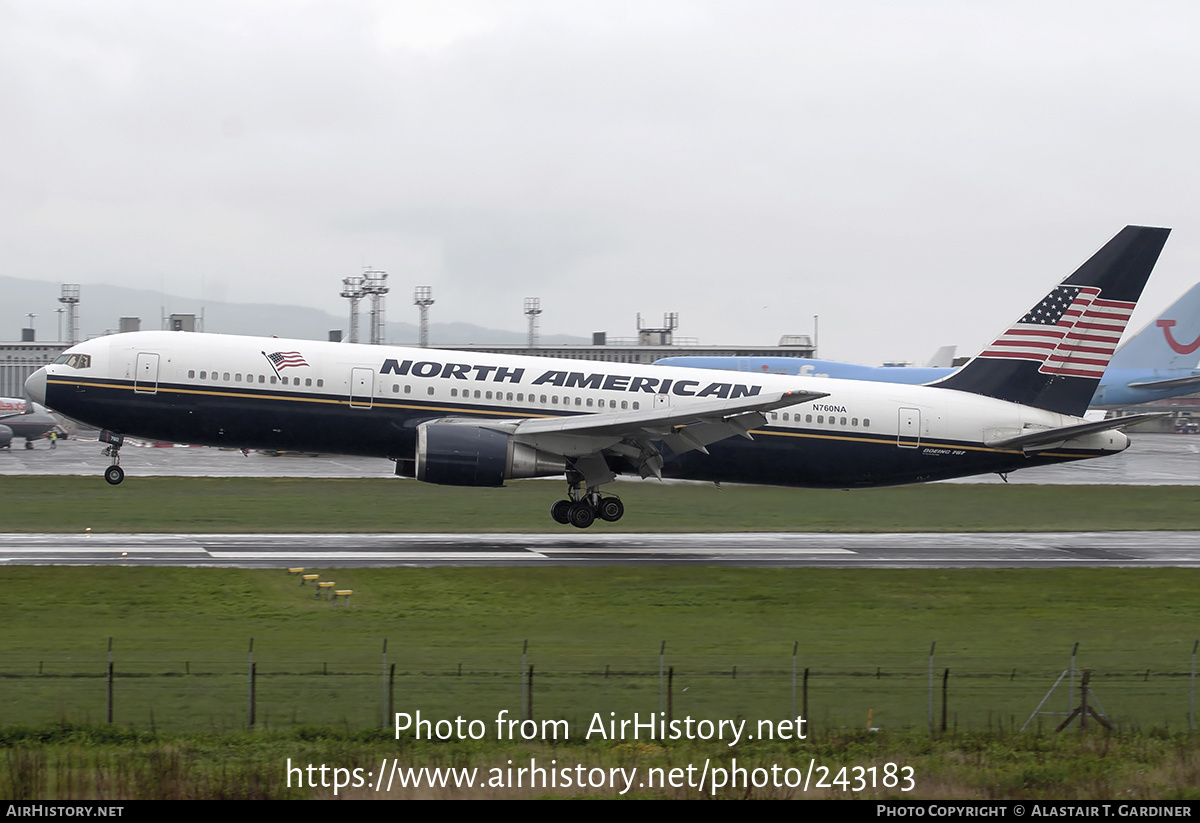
21	419
474	419
1151	365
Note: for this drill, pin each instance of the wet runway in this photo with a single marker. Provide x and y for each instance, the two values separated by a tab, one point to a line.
1152	460
880	551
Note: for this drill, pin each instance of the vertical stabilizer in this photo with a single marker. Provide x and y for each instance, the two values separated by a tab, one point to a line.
1054	355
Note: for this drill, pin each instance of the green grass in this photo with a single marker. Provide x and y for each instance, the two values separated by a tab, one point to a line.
196	505
455	635
182	637
65	761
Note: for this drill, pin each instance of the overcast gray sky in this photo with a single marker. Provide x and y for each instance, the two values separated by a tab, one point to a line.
916	173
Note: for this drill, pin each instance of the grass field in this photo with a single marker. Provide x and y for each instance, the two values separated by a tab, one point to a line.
191	505
181	641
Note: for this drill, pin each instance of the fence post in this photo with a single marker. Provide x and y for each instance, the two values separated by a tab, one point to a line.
110	681
662	651
670	693
1192	704
529	684
795	647
931	648
945	687
804	712
250	697
383	672
524	686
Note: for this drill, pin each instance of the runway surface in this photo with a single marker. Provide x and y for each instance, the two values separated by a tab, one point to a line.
881	551
1153	459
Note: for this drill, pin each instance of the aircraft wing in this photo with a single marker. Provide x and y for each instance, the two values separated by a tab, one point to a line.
1172	383
666	419
586	438
1047	437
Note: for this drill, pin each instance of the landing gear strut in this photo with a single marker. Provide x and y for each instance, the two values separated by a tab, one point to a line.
114	474
584	505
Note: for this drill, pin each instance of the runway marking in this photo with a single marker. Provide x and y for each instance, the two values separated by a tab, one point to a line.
109	548
376	555
691	550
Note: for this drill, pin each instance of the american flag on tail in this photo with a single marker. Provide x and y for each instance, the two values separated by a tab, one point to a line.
1071	332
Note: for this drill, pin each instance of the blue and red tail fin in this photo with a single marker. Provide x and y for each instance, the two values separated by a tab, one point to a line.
1054	355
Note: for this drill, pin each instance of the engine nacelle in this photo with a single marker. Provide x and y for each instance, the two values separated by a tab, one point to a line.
6	436
462	453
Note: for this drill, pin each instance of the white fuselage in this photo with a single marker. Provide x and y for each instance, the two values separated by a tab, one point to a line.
360	399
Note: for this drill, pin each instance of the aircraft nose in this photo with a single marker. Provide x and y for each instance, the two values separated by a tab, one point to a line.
35	385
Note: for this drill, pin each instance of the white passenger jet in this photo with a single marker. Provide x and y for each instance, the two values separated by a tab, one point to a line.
21	419
474	419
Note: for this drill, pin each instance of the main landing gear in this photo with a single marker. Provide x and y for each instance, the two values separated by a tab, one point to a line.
114	474
583	507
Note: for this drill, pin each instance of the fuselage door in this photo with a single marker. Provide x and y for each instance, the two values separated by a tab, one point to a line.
909	433
362	388
145	376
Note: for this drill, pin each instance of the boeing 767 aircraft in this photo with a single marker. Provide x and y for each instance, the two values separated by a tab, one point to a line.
475	419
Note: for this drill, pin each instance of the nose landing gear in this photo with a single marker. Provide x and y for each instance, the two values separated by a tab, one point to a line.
114	474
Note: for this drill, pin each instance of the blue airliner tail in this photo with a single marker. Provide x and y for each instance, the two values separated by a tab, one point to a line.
1170	341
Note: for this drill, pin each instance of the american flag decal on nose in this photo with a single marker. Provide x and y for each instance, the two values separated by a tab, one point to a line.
1071	332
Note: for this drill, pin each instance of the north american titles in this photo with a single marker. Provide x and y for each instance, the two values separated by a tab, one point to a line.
569	379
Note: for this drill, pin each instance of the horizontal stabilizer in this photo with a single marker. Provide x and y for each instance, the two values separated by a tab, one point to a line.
1173	383
1046	437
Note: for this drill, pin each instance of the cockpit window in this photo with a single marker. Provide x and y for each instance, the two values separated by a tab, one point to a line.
75	361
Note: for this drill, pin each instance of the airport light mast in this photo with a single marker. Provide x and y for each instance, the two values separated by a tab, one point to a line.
352	290
533	307
376	287
423	299
70	299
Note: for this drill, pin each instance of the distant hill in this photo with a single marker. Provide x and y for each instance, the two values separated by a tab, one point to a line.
101	308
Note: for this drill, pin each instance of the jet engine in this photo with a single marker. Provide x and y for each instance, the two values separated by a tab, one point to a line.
6	436
463	453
